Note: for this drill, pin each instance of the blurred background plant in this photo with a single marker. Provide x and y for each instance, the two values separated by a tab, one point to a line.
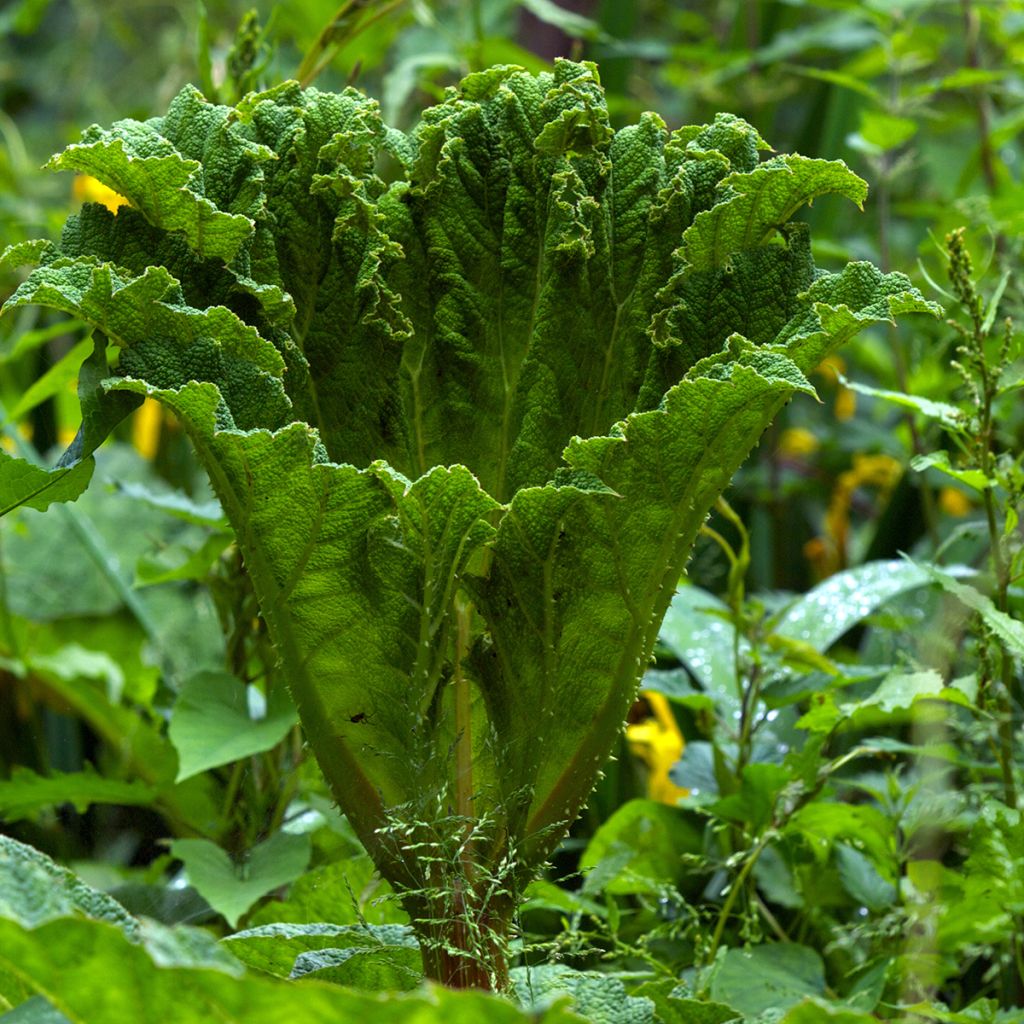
827	755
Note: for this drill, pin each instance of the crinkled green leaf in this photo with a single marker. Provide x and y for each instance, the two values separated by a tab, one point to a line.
231	889
138	161
600	998
756	203
164	340
25	793
212	724
34	889
273	948
88	971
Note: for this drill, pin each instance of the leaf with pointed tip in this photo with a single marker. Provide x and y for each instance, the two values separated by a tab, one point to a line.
212	725
24	483
25	792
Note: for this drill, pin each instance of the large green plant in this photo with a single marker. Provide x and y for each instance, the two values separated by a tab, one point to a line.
466	425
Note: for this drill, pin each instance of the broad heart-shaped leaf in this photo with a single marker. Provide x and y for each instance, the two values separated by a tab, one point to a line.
211	723
232	889
466	426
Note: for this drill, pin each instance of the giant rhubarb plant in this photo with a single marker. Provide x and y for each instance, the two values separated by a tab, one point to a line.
466	425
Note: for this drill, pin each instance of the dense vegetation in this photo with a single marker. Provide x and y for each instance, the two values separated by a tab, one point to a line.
399	424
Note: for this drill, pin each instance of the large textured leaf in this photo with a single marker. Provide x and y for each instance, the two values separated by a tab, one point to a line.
88	971
467	426
33	890
600	998
140	162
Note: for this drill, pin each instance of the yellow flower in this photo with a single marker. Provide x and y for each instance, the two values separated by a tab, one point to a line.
7	442
146	428
796	442
658	742
880	472
954	502
846	400
87	189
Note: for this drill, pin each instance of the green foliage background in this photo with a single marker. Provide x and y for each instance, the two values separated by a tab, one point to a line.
889	890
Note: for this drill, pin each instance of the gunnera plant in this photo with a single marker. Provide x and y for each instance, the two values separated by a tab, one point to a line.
466	423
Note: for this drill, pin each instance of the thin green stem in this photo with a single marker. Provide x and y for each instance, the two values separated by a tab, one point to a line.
231	793
734	890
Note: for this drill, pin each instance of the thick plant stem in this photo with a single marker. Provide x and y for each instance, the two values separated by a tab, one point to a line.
463	717
464	943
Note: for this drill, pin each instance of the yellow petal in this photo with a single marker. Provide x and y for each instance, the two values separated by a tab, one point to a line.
658	742
146	428
87	189
954	502
797	441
